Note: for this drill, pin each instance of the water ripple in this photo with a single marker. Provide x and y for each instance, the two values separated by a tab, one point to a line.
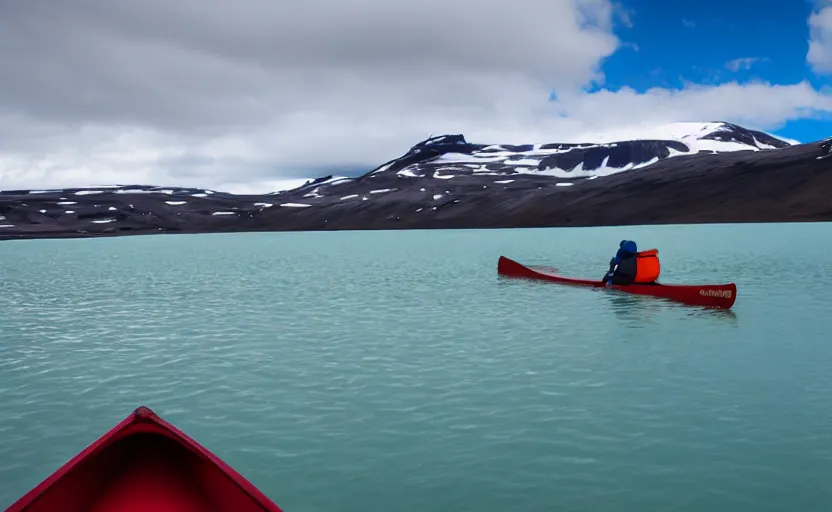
357	371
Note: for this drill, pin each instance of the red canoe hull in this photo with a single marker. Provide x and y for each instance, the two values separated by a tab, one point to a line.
144	464
716	296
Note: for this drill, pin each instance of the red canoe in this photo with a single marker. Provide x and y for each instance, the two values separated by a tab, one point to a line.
717	295
144	464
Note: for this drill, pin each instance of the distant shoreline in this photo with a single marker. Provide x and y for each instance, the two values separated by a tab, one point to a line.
77	236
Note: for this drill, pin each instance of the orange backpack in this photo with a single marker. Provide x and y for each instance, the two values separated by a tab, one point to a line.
648	266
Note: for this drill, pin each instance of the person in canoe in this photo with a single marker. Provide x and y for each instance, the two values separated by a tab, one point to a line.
629	266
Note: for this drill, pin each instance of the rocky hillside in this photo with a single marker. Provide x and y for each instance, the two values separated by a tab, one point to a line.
677	173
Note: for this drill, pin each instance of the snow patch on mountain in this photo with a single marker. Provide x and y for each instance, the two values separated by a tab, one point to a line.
826	149
446	156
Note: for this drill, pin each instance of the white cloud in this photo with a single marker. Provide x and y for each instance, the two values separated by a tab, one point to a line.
244	96
743	63
819	55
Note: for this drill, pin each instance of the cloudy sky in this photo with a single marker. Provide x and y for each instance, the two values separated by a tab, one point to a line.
251	95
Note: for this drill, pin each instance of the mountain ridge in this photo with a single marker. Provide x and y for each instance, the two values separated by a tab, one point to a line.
447	182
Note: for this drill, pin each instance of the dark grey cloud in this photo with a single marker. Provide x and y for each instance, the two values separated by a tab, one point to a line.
244	94
180	62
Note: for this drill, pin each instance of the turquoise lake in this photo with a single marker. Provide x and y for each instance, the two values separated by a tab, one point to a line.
378	371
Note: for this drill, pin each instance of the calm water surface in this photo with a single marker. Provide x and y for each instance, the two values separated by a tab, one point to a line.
395	371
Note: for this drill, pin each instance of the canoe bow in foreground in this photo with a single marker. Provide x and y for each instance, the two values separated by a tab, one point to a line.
715	296
144	464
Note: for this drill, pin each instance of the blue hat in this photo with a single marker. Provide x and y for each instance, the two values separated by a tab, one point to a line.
629	246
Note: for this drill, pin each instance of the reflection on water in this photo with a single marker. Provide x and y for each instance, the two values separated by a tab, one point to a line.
631	311
635	311
727	315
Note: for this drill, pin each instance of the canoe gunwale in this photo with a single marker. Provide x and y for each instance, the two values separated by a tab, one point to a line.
142	421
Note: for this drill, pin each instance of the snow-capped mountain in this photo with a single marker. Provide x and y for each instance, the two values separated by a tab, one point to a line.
451	156
452	153
434	184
